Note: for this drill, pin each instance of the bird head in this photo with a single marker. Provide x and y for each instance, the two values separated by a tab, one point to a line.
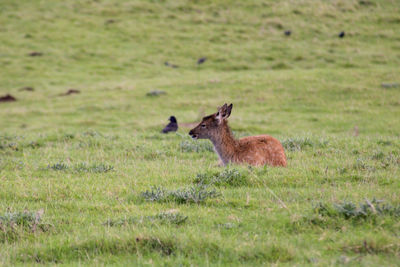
172	119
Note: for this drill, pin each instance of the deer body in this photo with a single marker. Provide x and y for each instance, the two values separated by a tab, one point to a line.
254	150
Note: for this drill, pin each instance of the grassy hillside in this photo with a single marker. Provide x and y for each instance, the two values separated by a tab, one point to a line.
88	179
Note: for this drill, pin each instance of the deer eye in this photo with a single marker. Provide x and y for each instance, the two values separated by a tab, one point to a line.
203	126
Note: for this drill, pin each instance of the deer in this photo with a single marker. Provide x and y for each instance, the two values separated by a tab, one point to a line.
257	150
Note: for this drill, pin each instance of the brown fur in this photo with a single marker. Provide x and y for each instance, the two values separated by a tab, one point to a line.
254	150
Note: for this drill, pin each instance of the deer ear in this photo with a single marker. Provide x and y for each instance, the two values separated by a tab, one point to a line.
228	111
224	112
221	108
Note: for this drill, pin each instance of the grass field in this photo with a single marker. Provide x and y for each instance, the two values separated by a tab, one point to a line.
87	179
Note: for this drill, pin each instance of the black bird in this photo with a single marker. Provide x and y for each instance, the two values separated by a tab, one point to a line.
201	60
172	126
341	34
288	33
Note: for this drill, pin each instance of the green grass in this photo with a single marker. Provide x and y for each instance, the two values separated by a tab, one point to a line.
74	170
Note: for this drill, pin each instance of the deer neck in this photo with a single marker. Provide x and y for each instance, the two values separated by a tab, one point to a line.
224	144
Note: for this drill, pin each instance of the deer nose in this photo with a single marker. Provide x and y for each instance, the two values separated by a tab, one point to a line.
193	135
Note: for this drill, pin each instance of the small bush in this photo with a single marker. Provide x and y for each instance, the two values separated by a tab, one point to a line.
198	146
362	165
230	177
162	218
24	218
18	144
95	167
156	194
82	167
193	194
300	143
58	166
15	224
100	168
349	210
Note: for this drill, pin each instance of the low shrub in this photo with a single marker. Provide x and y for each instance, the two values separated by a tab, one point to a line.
82	167
349	210
58	166
228	177
162	218
192	194
95	167
300	143
198	146
15	224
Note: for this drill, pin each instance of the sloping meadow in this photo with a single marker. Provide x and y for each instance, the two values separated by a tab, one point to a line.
128	208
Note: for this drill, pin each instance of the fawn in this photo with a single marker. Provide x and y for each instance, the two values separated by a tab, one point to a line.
254	150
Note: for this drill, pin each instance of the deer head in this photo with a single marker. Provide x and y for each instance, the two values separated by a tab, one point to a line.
211	126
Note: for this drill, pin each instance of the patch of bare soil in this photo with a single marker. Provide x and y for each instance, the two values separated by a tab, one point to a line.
7	98
71	92
35	54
